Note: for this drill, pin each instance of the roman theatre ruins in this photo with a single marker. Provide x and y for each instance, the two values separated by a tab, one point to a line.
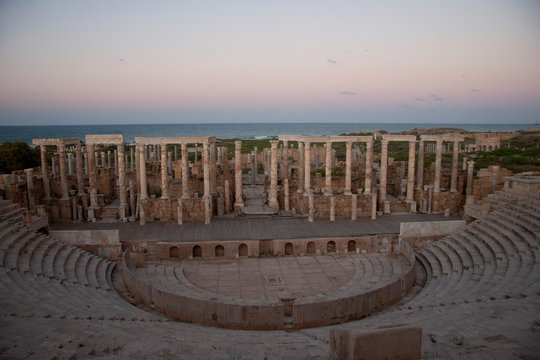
312	247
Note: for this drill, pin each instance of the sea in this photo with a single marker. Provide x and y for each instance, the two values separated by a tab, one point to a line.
225	131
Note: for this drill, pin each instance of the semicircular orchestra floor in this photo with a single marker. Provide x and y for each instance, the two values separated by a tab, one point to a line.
266	279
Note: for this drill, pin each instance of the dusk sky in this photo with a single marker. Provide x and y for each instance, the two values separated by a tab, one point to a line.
84	62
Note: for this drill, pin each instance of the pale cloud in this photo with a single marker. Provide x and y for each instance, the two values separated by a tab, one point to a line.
475	90
330	61
347	93
436	97
419	99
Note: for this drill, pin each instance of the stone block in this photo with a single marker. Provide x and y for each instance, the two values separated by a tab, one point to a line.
389	343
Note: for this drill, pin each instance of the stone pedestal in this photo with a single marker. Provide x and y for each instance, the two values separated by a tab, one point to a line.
354	206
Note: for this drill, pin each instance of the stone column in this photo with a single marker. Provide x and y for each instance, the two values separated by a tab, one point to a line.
225	162
285	163
239	201
286	191
300	180
332	208
139	151
142	171
175	153
45	172
131	159
253	168
96	158
455	157
410	171
384	169
464	163
164	176
307	168
30	188
374	205
8	195
272	201
438	165
103	162
132	197
85	157
207	197
354	206
79	168
420	173
212	165
115	158
185	171
92	179
196	160
430	198
348	168
122	181
169	162
369	166
328	163
70	163
470	178
63	173
109	159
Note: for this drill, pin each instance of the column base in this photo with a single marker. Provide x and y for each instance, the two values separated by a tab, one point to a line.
238	206
386	207
274	205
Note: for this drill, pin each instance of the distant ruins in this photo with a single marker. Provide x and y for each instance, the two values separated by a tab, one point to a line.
81	261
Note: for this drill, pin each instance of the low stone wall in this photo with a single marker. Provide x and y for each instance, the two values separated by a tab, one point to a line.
416	233
196	305
382	243
104	243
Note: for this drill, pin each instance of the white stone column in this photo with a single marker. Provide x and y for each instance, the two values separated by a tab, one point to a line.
45	172
70	163
79	167
212	165
328	163
420	173
384	169
63	173
470	178
109	159
131	159
139	151
455	158
115	159
30	188
300	180
142	170
92	179
185	172
272	201
369	166
348	167
307	168
164	176
285	163
103	162
85	157
207	197
179	211
438	167
239	201
410	171
122	181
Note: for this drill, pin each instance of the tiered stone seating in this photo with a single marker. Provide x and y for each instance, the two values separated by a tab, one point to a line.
44	277
495	257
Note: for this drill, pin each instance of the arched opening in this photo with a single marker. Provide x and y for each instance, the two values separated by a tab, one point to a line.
243	250
351	246
489	147
311	247
331	247
197	251
220	251
173	252
288	249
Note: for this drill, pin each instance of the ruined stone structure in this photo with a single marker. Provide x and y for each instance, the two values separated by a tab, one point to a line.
437	277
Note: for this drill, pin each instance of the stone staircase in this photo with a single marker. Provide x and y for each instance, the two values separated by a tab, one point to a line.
42	277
